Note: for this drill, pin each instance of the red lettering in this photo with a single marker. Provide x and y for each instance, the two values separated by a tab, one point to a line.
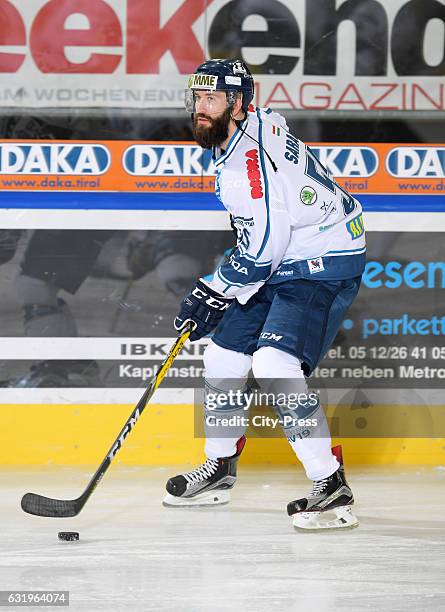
285	100
416	88
327	99
12	32
390	87
252	164
49	36
254	174
148	42
403	96
358	98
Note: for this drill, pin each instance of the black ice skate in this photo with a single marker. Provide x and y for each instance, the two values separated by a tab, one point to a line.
328	506
207	485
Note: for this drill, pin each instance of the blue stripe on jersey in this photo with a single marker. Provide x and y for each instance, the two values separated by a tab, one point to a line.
342	252
241	285
362	250
218	185
251	258
266	184
239	268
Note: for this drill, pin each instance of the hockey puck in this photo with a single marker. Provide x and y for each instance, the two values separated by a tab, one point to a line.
69	536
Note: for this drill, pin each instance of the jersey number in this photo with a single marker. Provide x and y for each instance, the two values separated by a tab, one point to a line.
317	172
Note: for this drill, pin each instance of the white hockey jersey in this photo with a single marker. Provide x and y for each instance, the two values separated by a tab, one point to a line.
292	219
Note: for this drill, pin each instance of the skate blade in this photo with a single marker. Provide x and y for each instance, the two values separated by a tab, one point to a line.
210	498
317	521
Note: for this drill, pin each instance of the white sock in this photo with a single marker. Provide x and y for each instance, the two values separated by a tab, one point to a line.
314	453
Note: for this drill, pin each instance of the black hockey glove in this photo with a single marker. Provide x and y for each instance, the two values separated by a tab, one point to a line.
204	307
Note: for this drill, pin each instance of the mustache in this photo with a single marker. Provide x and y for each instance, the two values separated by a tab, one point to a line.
201	116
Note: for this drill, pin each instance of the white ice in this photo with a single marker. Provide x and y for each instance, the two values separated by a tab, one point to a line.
134	554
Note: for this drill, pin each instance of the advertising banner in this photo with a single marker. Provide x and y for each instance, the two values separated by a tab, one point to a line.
89	295
373	55
183	167
92	308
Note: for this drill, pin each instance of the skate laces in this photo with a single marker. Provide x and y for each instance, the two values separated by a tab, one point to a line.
202	472
318	487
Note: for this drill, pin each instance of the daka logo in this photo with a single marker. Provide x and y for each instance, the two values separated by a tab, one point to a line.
168	160
60	159
348	161
416	162
254	174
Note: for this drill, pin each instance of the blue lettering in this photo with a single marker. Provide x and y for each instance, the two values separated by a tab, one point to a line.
372	269
392	273
432	267
412	271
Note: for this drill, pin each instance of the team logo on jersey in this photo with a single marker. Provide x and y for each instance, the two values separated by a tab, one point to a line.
254	174
308	196
315	265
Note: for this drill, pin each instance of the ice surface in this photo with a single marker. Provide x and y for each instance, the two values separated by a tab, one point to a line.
134	554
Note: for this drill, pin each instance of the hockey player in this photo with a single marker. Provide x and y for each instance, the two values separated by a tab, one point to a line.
279	300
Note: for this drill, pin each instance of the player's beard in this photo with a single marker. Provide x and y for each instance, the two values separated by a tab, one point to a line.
208	136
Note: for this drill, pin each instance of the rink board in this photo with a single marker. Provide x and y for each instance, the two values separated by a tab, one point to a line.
56	427
81	434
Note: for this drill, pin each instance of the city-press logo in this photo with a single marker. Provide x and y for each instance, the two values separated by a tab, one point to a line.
308	196
56	159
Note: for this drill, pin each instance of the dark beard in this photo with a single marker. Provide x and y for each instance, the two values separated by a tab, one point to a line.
213	135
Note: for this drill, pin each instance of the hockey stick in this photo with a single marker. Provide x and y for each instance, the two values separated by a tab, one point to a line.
46	506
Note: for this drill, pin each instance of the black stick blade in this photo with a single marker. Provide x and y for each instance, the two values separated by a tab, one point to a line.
46	506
